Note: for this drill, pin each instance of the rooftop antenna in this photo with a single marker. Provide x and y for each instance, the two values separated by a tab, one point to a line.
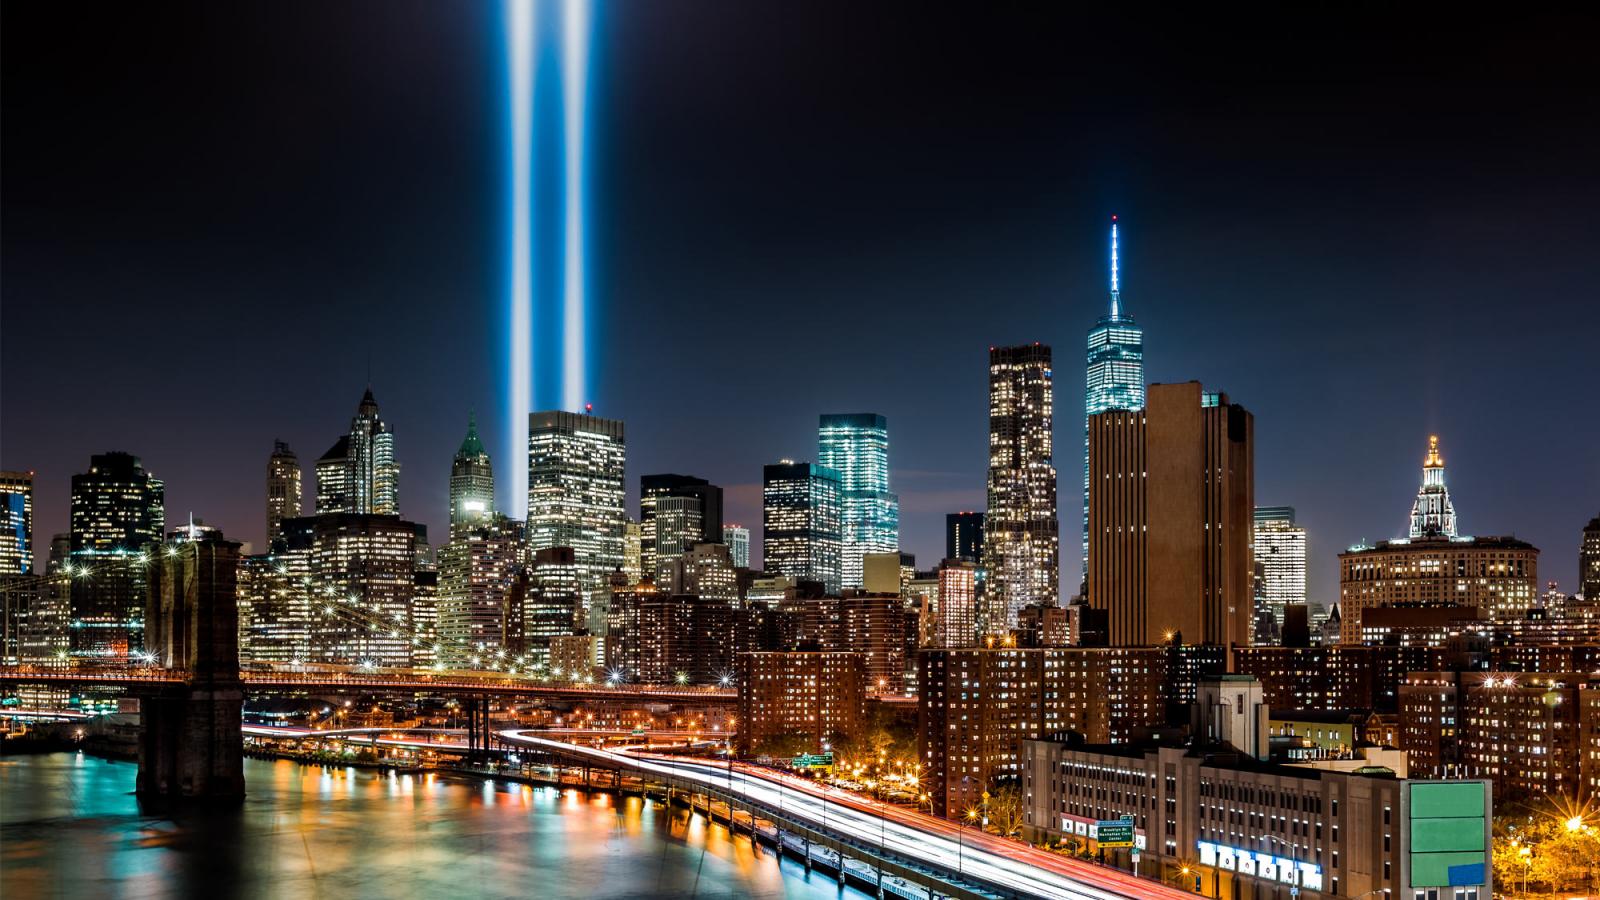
1116	293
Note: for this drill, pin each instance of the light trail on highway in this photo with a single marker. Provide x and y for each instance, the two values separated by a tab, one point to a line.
924	843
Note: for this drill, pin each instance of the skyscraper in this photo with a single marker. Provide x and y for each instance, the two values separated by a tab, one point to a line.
1432	514
737	537
1115	374
359	474
1589	562
369	563
16	523
116	505
1021	532
1280	554
800	522
856	445
117	513
963	536
477	570
576	490
283	488
471	484
678	525
706	509
1171	516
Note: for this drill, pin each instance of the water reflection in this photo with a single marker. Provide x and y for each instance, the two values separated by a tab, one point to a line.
70	827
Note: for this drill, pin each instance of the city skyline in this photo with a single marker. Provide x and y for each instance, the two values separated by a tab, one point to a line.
1294	272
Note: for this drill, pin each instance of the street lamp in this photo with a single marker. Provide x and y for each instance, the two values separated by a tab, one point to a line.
961	836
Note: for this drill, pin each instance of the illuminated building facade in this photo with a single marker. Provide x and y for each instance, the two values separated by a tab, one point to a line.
799	700
976	706
471	485
954	605
1432	514
552	602
800	522
1171	515
693	516
737	537
1115	373
1520	730
653	637
1280	552
704	570
275	605
963	536
1227	825
363	575
576	467
856	445
118	511
1498	576
16	523
477	570
359	473
283	488
1021	530
1589	562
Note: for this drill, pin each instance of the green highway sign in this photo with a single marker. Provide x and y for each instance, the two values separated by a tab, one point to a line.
1114	834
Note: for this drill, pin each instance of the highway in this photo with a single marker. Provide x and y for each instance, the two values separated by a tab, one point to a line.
927	840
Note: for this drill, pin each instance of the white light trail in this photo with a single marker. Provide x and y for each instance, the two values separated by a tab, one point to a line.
927	846
520	43
574	99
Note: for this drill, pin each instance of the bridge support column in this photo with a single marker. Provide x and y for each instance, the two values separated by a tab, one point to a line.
190	744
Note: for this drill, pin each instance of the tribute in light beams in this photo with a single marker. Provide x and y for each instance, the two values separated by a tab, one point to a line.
565	361
574	97
519	38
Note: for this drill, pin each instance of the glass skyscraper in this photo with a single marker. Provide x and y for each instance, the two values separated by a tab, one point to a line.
1115	374
856	445
800	522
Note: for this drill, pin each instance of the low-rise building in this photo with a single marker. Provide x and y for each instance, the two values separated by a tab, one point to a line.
1229	825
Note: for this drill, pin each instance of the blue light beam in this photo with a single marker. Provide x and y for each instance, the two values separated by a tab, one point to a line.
575	31
520	39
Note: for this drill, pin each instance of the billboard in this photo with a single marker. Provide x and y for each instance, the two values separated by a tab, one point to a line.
1447	833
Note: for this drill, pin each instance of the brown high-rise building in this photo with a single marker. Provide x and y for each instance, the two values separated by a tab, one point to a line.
1171	514
283	488
798	700
1021	531
976	705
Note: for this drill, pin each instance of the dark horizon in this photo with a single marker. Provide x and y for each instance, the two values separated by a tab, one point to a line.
217	221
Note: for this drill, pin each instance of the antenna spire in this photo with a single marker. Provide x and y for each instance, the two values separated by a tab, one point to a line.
1116	293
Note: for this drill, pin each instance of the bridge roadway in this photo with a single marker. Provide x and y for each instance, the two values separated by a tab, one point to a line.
967	853
418	681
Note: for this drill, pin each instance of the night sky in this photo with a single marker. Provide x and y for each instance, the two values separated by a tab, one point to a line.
215	219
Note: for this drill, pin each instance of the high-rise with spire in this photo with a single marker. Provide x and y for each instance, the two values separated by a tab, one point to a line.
359	474
1433	515
283	488
471	484
1115	374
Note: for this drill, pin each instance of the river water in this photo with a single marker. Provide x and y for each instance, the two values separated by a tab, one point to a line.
70	828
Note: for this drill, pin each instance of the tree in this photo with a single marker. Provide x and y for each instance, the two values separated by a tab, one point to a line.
1006	811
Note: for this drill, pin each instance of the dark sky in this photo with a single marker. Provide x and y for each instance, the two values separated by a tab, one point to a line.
1363	230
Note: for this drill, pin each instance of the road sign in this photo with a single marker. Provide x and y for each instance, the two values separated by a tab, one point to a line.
1114	834
814	761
